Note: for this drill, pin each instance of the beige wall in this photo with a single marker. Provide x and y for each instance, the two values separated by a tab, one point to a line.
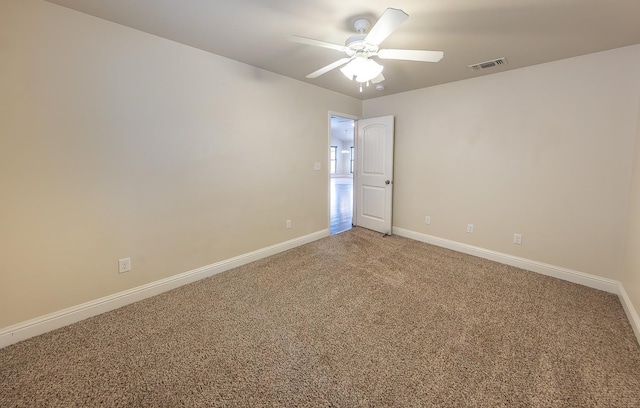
631	264
544	151
115	143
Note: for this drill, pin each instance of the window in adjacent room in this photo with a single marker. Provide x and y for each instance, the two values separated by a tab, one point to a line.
333	162
351	161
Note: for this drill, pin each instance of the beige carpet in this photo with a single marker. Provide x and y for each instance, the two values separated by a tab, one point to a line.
354	320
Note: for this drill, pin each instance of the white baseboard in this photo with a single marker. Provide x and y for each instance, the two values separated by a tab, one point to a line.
61	318
592	281
632	315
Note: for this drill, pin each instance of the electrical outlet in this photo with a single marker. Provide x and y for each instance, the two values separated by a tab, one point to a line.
124	265
287	224
517	239
427	220
470	228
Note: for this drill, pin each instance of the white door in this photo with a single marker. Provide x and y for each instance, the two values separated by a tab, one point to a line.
374	173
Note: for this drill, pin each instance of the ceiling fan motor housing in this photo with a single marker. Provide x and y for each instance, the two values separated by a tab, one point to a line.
356	45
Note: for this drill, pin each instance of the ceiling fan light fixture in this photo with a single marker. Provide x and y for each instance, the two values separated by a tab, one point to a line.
362	69
348	71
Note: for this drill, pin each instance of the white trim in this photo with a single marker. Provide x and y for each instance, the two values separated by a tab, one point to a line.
30	328
592	281
634	320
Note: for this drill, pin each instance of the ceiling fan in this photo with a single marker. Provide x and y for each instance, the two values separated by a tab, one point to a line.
361	47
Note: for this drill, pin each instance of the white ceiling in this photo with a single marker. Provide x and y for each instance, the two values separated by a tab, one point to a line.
525	32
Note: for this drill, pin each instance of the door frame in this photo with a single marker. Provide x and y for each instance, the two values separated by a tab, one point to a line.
354	118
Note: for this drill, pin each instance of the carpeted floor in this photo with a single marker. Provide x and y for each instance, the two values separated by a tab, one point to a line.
353	320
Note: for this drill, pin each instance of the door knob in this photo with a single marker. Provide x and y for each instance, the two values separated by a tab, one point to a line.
387	182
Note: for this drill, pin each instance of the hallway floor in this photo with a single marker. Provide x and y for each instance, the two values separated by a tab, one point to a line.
341	204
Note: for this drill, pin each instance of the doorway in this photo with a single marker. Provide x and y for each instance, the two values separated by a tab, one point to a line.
341	162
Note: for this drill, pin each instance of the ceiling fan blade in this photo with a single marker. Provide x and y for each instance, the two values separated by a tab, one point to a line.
328	68
412	55
317	43
390	20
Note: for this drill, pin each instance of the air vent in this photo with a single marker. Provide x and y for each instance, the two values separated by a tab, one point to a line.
488	64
